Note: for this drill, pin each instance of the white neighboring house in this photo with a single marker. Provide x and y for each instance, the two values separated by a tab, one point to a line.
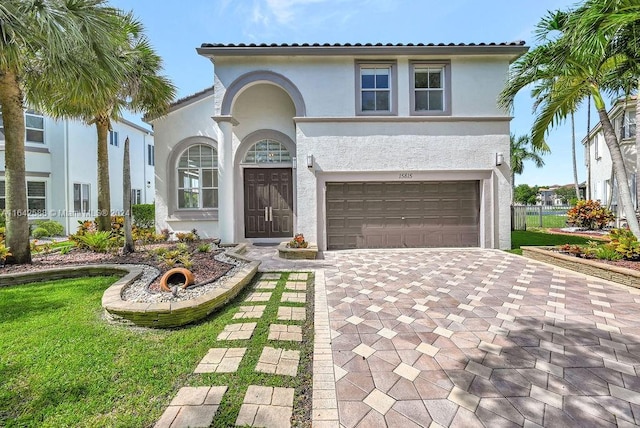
356	146
61	168
598	159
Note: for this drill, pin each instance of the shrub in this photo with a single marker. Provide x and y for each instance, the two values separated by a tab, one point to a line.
204	248
95	241
187	236
52	227
3	219
144	215
589	214
40	232
625	243
607	253
298	242
4	252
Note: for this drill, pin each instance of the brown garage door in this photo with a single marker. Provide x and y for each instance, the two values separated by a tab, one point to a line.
403	214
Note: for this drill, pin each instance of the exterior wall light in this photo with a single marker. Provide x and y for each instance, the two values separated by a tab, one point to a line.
309	161
499	159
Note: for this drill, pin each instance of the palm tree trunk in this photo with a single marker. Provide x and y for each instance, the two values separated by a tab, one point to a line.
573	154
619	169
126	201
104	197
17	228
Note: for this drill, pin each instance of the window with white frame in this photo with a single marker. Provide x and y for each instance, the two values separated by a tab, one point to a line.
151	155
81	197
596	147
376	88
198	177
628	125
36	196
34	126
114	138
136	196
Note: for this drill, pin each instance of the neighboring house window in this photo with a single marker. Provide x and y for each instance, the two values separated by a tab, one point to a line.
628	128
136	196
596	147
376	88
1	128
151	155
198	177
113	138
430	88
36	196
34	127
267	151
81	197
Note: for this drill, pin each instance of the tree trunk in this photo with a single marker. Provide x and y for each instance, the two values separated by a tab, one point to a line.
587	193
103	125
638	151
620	170
16	209
573	154
126	201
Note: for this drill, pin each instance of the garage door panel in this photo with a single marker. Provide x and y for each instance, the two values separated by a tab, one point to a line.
402	214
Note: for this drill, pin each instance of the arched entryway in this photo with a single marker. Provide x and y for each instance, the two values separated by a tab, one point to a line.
266	166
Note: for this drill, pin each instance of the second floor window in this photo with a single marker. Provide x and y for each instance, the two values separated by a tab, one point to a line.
628	128
376	89
430	88
113	138
33	124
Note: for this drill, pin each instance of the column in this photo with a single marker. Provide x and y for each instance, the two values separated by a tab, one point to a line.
226	211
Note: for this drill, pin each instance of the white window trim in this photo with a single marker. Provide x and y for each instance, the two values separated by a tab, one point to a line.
81	197
200	187
136	196
446	90
28	128
393	87
114	136
151	155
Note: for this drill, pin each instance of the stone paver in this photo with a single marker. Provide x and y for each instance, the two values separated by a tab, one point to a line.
239	331
297	286
278	361
192	407
259	296
266	285
255	311
469	337
291	333
288	313
290	297
269	407
221	360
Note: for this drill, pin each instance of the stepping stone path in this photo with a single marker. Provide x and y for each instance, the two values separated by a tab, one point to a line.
262	406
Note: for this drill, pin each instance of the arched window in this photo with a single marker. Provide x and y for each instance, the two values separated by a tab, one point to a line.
267	151
198	177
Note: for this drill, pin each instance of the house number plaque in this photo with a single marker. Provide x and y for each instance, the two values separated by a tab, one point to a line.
406	175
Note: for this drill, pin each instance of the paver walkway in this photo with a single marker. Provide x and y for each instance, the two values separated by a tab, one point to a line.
468	338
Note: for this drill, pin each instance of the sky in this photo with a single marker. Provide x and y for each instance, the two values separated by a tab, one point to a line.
177	28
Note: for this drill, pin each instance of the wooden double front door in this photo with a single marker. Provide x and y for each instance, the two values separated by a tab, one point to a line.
268	203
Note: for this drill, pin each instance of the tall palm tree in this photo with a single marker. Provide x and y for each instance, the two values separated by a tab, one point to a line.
563	74
139	89
619	22
38	39
521	151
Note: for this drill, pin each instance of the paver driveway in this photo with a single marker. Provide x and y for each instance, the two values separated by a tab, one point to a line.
478	338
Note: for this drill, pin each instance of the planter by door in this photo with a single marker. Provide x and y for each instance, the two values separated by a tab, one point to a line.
268	202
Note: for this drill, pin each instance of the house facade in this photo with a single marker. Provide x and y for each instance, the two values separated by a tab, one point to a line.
355	146
600	182
61	168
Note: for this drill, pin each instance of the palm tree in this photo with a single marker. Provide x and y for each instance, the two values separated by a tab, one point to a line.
521	151
563	74
618	21
140	88
38	39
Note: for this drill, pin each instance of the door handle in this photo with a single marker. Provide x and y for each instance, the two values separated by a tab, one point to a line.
266	213
270	213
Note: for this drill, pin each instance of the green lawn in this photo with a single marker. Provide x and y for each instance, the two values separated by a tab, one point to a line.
61	364
527	238
547	220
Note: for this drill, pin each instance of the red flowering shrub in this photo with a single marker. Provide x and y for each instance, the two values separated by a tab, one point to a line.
589	214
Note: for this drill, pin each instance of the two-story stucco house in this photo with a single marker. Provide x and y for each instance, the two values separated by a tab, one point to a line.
61	168
600	183
355	146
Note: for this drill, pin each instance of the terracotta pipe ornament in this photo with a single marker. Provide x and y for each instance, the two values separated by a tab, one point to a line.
181	274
